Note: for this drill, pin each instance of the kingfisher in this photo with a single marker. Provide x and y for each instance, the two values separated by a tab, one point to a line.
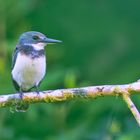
29	61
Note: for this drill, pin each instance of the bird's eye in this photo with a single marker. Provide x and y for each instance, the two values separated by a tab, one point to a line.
35	37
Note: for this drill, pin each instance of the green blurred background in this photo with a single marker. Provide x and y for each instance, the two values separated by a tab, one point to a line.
101	45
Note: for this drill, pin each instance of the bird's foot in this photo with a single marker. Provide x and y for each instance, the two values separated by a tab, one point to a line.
38	94
20	105
21	95
37	91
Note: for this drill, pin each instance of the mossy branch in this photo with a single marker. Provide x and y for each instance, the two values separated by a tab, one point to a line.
14	100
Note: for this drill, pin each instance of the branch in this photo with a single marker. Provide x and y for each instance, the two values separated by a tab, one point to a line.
14	100
132	107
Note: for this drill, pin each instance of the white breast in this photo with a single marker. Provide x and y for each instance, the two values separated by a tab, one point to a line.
29	72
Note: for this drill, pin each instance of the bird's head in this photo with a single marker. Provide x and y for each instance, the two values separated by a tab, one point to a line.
36	39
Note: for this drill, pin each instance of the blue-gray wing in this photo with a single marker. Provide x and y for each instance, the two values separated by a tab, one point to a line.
14	55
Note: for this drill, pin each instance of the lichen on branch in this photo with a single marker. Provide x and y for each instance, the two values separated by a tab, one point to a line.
14	100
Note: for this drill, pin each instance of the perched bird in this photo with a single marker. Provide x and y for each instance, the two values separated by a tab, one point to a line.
29	61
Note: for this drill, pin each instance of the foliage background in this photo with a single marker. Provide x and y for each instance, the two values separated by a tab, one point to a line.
101	45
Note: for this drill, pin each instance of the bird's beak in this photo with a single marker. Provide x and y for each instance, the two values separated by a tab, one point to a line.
49	40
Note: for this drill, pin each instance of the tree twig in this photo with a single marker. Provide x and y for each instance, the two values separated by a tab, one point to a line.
83	92
132	107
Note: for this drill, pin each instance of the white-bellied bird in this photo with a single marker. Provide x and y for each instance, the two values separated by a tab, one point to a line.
29	61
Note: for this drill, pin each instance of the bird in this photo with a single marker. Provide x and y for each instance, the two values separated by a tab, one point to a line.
29	61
